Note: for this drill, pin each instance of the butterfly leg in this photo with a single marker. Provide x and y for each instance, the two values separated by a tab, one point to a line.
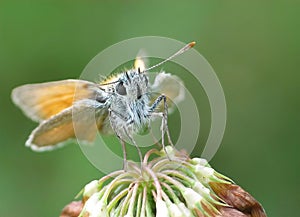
124	153
156	141
132	140
164	116
119	137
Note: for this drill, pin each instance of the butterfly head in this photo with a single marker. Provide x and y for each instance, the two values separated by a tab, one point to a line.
132	84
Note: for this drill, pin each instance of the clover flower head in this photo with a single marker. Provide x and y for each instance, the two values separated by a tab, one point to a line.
167	185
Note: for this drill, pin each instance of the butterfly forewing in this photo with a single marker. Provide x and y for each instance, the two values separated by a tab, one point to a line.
41	101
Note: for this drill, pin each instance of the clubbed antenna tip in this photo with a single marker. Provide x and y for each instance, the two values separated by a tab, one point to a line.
192	44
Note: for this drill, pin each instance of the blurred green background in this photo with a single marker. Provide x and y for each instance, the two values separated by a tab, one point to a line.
252	45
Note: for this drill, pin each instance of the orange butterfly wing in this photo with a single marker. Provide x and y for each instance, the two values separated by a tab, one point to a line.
41	101
81	121
65	109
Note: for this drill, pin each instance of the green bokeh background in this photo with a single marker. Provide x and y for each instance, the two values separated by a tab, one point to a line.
253	46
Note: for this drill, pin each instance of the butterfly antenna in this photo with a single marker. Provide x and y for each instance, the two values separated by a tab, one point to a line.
109	83
182	50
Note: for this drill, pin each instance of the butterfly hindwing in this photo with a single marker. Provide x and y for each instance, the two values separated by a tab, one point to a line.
80	121
169	85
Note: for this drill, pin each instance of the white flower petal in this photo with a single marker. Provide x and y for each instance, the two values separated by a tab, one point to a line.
91	203
175	211
191	197
90	188
199	161
186	212
161	209
99	210
201	189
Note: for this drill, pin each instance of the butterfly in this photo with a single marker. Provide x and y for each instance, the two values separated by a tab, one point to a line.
121	104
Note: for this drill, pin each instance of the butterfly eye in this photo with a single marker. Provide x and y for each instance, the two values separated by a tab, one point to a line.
121	89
